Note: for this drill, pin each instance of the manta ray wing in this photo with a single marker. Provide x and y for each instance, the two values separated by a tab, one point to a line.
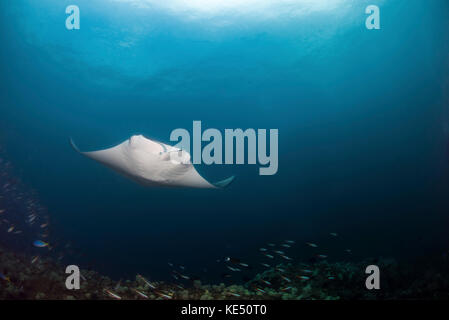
149	163
113	158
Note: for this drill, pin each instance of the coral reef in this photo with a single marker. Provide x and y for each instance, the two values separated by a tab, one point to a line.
45	279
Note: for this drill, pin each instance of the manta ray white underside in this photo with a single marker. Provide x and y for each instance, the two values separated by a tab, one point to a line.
150	163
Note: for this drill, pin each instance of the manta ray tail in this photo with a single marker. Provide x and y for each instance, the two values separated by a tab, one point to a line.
224	183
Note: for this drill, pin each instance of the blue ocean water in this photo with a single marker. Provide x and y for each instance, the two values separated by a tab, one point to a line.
362	118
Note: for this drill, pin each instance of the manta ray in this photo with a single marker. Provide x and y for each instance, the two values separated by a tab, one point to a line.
152	163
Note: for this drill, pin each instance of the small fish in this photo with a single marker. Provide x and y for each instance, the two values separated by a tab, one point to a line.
113	295
11	229
233	269
5	278
306	271
170	264
322	256
265	265
304	278
280	269
268	283
310	244
34	260
331	278
140	294
44	225
182	267
40	244
149	284
184	277
234	294
2	210
262	250
285	278
18	232
232	260
279	252
348	250
163	295
271	244
244	265
285	245
290	241
118	285
269	256
334	234
285	257
285	289
260	290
